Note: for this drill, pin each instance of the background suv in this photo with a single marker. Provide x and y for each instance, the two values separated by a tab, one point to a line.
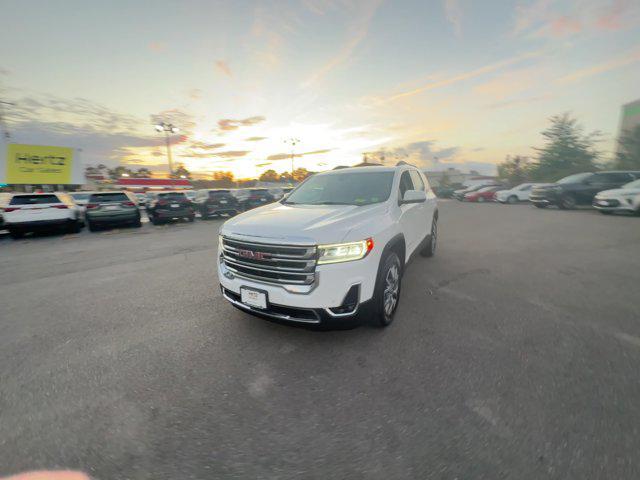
166	206
112	208
618	199
578	189
334	250
214	202
256	197
30	212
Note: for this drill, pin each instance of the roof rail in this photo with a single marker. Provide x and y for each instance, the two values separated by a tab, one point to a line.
402	162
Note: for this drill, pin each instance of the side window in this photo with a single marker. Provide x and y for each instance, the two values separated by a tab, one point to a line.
405	183
526	188
418	184
612	178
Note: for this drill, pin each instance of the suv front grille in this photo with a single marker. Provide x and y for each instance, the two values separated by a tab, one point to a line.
272	263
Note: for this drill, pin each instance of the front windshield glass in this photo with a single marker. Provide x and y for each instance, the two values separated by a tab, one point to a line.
634	184
347	188
575	178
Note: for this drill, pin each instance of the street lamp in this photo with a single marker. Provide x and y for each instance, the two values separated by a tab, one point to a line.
293	142
168	129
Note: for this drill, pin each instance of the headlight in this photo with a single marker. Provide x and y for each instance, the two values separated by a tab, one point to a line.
344	252
220	246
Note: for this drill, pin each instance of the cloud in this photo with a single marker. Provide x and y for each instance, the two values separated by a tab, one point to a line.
284	156
255	139
228	124
223	67
453	13
517	101
195	94
526	16
230	153
422	154
465	76
560	27
621	61
205	145
358	30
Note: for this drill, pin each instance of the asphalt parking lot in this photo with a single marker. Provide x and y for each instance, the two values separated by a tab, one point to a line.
515	354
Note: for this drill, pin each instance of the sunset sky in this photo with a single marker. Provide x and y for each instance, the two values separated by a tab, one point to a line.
441	83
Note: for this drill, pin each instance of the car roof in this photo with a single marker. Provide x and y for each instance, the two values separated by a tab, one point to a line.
369	168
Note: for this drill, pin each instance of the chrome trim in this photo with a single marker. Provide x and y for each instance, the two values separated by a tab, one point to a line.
348	314
270	314
258	278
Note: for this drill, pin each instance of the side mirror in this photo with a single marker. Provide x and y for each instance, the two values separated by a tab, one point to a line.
413	196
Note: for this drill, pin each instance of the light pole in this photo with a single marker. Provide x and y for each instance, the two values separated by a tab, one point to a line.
168	129
293	142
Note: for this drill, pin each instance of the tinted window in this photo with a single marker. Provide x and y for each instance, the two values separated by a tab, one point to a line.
405	183
612	178
108	197
349	188
417	180
34	199
172	196
80	196
576	178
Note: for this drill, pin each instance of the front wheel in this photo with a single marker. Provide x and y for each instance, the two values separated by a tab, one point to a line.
512	199
429	249
387	292
480	199
567	202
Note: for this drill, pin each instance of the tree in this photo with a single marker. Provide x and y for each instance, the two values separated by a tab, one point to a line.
180	171
143	172
444	180
269	176
628	155
568	150
299	174
515	170
119	171
223	179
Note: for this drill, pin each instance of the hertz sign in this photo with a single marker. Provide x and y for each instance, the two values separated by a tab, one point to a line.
38	164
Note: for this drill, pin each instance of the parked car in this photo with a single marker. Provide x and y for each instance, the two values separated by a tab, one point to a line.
81	199
32	212
334	251
618	199
445	192
142	199
256	197
579	188
4	200
113	209
635	203
459	194
191	194
214	202
485	194
519	193
166	206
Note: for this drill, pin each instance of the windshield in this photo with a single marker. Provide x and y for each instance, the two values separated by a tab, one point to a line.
34	199
634	184
575	178
485	189
349	188
80	196
172	196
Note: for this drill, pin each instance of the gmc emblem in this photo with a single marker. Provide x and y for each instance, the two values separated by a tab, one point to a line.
253	255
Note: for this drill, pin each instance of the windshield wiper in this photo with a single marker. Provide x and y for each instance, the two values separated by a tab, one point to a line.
330	203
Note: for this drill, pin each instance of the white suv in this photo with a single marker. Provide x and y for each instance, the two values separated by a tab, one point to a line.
30	212
333	250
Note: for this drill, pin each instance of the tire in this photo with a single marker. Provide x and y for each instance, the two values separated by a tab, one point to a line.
93	227
480	199
539	205
191	218
429	249
137	223
16	234
204	215
387	293
155	220
74	227
606	212
512	199
567	202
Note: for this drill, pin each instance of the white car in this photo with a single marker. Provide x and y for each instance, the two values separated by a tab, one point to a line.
81	199
618	199
516	194
334	250
30	212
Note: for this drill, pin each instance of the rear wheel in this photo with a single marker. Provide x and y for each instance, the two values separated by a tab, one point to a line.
606	212
93	227
74	227
387	292
512	199
16	234
137	223
191	218
567	202
539	205
155	220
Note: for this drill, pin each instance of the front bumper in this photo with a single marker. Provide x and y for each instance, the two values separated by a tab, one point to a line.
549	197
311	304
612	204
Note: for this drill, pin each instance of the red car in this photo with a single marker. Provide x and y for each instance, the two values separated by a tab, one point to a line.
486	194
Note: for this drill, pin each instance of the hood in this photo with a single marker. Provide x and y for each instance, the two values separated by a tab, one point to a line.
619	191
301	223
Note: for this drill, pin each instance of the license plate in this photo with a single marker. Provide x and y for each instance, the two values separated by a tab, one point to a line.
223	201
253	298
263	199
175	205
112	207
